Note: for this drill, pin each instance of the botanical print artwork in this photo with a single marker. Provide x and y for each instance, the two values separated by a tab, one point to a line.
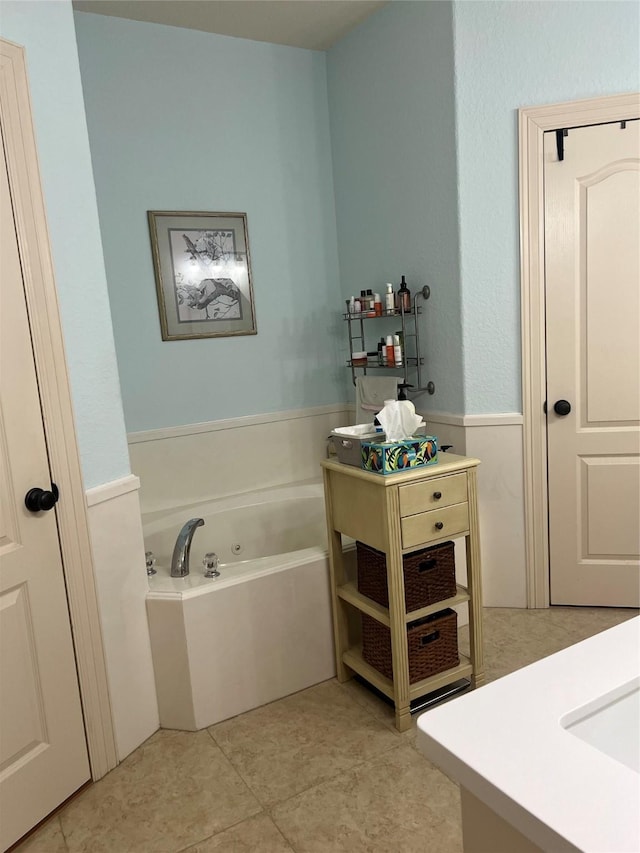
204	265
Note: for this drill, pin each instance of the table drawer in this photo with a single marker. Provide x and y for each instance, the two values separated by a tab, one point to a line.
425	527
430	494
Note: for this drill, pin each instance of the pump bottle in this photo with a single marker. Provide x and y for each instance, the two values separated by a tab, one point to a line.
390	303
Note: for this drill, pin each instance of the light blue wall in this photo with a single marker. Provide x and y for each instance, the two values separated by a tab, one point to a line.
186	120
510	55
392	126
46	30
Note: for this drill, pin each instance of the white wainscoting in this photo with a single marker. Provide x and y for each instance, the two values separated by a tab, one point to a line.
118	552
496	440
183	465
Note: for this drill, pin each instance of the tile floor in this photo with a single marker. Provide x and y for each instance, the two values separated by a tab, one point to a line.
322	771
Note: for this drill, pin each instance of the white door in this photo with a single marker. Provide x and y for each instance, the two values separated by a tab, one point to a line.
592	273
43	752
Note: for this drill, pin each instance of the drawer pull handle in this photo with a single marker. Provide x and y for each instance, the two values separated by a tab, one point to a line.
427	564
437	496
429	638
439	525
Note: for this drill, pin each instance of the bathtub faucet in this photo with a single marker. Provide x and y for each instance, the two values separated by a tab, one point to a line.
180	559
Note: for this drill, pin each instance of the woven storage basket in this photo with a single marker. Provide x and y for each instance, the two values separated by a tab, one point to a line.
432	644
429	575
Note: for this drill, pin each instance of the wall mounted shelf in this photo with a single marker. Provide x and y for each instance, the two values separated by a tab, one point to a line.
410	331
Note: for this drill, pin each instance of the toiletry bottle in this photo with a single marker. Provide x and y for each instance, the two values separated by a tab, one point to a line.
380	350
377	304
390	303
383	347
364	305
397	351
357	306
389	348
369	302
352	305
403	297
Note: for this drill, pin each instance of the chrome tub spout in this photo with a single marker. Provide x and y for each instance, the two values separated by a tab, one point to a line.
180	559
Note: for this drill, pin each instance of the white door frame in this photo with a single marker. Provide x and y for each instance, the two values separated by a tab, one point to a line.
532	124
55	396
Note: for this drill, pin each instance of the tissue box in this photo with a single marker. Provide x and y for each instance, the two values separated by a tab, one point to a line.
390	457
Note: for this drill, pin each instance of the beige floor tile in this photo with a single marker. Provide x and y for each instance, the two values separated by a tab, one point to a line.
354	783
174	790
47	839
583	622
255	835
377	706
284	748
396	802
514	638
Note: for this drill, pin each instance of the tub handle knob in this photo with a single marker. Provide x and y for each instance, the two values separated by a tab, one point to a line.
150	560
211	563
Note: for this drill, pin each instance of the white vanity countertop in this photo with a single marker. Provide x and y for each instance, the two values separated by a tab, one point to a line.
506	745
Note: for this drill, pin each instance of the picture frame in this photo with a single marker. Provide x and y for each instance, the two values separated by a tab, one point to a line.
202	270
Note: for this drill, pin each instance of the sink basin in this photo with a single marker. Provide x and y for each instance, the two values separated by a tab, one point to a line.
610	724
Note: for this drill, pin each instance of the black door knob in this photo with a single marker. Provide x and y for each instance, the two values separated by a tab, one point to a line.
439	525
562	407
40	500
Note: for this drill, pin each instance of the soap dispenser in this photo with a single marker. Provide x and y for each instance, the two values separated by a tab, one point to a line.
401	387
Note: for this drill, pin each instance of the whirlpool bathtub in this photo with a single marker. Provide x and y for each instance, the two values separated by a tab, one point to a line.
260	631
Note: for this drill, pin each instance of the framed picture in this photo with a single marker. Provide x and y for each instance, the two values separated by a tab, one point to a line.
203	274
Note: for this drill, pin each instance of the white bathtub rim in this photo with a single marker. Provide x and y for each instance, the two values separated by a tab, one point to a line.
164	587
158	519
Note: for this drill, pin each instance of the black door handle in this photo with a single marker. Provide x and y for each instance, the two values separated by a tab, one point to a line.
562	407
40	500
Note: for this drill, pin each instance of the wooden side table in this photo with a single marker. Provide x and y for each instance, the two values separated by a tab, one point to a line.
398	514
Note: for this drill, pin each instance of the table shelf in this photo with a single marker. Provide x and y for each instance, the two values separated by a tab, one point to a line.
352	657
349	592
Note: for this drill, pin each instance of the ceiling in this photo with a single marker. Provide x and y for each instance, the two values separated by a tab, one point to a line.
313	24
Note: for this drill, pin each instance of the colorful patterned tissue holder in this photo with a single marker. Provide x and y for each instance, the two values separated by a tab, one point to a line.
390	457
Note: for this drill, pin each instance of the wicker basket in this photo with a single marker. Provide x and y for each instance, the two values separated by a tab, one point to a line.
429	575
432	645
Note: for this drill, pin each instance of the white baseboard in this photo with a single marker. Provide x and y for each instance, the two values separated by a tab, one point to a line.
497	419
185	465
236	423
501	511
495	439
115	527
114	489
